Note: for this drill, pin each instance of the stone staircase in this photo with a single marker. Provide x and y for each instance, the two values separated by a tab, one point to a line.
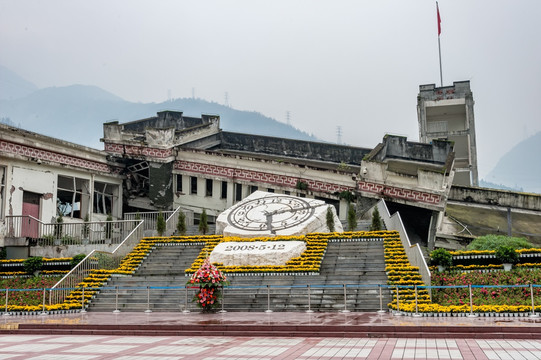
356	264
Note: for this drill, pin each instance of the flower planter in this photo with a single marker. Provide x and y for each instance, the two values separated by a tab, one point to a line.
507	266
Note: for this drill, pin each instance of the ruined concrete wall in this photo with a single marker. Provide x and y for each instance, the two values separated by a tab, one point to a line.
398	147
496	197
294	148
161	185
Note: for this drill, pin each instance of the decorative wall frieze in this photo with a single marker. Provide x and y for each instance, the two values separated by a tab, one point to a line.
399	193
47	155
138	150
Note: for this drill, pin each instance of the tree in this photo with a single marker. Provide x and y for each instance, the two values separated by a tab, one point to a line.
160	224
352	218
330	219
58	227
203	225
181	224
376	221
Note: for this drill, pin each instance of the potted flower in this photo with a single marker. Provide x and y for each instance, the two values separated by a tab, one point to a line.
507	255
441	258
210	281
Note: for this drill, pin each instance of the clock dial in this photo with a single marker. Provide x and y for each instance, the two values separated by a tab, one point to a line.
287	212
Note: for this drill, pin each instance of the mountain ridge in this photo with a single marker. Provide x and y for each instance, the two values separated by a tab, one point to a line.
76	113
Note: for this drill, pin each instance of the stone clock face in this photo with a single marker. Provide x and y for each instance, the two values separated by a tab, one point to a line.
252	214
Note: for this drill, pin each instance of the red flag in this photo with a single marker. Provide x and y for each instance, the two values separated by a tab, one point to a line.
439	19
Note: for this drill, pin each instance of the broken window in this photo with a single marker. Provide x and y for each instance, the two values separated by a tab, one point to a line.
105	198
179	183
72	196
208	191
193	185
2	185
224	190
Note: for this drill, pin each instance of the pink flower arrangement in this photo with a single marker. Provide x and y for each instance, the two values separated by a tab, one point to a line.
209	279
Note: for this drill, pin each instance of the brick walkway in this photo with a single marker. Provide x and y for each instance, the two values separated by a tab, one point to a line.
44	343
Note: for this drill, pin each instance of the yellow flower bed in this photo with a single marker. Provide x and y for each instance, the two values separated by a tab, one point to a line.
401	273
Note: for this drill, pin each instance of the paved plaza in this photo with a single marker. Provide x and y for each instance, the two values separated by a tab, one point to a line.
83	347
62	337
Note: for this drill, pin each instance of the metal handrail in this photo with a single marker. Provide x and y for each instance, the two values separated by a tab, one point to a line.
68	233
264	292
110	260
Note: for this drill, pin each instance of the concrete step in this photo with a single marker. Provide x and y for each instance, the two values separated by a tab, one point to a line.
347	262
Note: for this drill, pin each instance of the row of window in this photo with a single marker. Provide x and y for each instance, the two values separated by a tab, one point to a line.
209	188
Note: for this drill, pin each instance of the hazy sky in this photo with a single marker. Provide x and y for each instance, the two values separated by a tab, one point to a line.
354	64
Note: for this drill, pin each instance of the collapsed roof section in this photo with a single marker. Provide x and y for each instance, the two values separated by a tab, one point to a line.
407	171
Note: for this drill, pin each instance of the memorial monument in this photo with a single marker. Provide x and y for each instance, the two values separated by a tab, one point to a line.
265	215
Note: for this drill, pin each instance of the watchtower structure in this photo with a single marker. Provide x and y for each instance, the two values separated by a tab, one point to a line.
446	113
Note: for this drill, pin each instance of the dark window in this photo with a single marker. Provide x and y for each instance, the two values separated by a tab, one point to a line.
253	189
208	191
238	192
179	183
224	190
70	194
105	196
193	185
270	190
287	192
301	195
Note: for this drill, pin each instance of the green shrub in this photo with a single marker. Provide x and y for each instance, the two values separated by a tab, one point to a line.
492	242
301	185
376	221
58	227
441	257
181	223
203	225
330	219
352	218
86	227
33	264
109	226
506	254
76	260
160	224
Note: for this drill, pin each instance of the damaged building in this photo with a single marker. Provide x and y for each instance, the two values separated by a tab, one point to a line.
172	161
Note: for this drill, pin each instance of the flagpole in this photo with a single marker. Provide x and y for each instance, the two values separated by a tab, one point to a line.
439	44
439	48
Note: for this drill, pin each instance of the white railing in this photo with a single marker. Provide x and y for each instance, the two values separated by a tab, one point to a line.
85	233
413	252
151	218
96	260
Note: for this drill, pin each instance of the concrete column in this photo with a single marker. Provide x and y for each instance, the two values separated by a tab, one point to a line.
230	194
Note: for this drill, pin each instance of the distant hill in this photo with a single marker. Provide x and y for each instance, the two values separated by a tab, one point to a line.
12	86
520	168
76	113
